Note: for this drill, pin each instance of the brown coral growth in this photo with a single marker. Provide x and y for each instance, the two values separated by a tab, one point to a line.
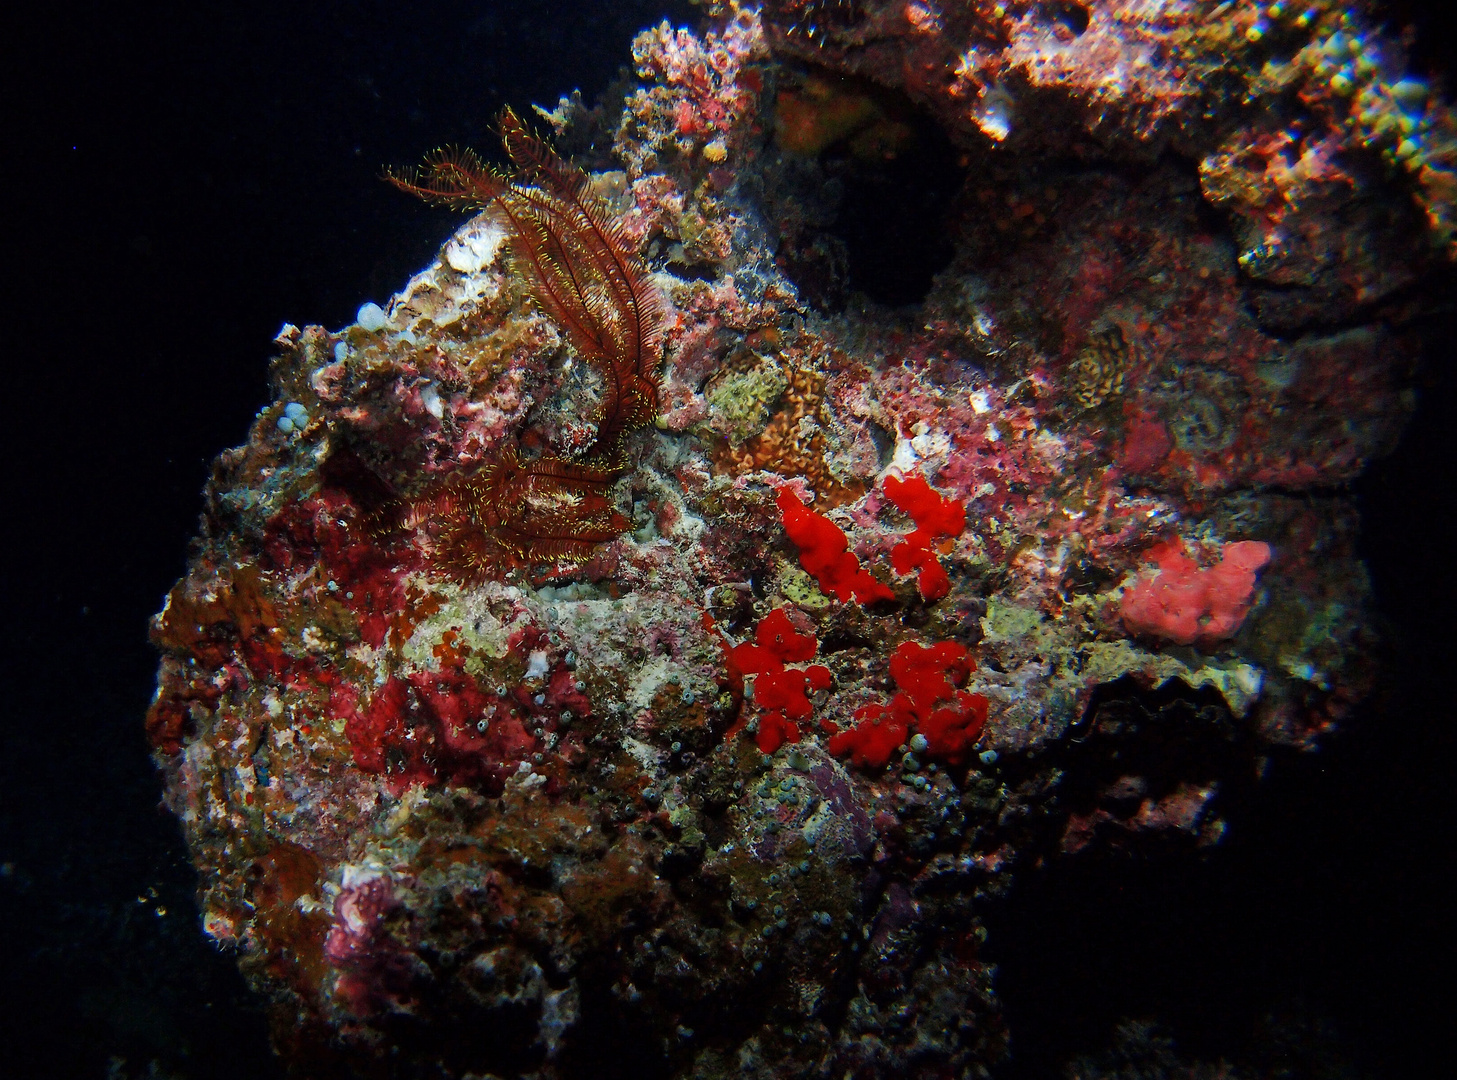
582	272
793	442
1100	369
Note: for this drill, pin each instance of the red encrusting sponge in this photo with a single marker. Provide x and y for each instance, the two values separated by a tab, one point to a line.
949	719
825	553
936	517
782	691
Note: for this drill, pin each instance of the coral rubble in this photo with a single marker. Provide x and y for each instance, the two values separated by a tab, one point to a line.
649	653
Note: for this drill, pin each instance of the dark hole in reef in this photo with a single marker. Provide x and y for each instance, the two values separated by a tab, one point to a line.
884	443
1069	13
344	470
1159	928
692	271
1174	733
1228	948
837	641
608	1042
1093	942
894	218
917	616
866	191
501	1041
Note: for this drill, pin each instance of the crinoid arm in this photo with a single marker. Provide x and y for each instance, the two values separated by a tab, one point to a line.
566	535
580	259
554	474
450	176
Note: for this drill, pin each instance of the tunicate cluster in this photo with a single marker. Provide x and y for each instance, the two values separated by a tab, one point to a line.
295	418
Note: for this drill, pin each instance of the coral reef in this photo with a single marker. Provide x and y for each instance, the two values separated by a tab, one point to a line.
611	657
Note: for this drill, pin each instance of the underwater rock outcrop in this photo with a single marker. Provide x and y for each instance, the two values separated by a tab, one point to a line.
662	677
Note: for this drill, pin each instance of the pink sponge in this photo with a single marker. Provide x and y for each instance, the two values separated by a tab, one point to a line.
1188	605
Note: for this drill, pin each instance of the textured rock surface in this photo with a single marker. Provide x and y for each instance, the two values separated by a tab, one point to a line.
728	798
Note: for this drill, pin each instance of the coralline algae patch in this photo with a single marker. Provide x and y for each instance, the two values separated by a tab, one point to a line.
732	724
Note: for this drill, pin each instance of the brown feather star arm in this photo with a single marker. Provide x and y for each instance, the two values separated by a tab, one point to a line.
567	532
628	302
578	262
451	176
581	270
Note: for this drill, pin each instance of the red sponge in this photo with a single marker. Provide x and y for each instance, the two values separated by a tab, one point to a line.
872	741
775	731
936	516
926	673
825	553
949	719
783	692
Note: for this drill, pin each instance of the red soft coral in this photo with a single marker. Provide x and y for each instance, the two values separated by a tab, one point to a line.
935	515
952	730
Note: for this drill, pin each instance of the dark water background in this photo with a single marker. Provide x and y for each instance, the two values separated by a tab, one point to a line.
181	179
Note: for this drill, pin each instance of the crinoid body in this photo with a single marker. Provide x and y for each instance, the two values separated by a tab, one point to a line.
582	272
511	512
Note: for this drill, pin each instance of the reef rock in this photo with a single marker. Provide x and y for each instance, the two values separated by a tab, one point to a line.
516	734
